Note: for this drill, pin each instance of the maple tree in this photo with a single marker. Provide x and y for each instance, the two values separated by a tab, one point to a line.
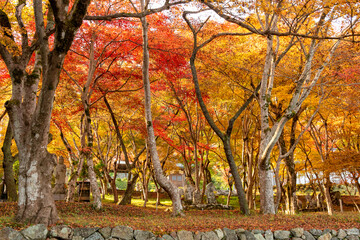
285	48
30	114
266	22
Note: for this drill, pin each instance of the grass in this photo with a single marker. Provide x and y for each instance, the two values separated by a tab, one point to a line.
159	221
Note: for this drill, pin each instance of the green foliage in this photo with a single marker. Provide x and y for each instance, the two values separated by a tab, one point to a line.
121	183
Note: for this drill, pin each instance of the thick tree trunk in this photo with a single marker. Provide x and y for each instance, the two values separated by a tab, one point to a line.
36	202
8	163
160	177
266	191
126	199
30	109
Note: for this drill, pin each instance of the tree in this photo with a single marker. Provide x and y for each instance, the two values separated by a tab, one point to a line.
226	135
161	179
30	113
303	24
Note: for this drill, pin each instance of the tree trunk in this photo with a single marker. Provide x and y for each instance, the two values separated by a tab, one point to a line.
38	206
8	162
357	185
327	186
291	205
93	184
114	189
126	199
230	192
225	137
160	177
266	190
278	185
73	180
237	180
30	109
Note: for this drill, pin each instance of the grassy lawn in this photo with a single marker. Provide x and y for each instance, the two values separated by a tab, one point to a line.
160	221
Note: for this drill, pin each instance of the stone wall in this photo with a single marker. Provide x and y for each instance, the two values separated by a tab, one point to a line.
40	232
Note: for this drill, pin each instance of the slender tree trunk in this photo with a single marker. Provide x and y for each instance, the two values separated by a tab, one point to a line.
291	205
327	186
126	199
73	180
237	180
357	185
230	192
113	186
88	134
89	160
160	177
8	162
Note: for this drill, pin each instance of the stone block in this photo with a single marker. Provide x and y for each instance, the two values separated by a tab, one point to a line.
269	235
249	235
185	235
341	234
84	232
143	235
220	233
326	236
353	231
35	232
230	234
282	235
210	236
316	232
95	236
122	233
167	237
297	232
10	234
259	236
105	232
308	236
352	237
61	231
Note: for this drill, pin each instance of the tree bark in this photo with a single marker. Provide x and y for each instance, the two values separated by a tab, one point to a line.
30	114
126	199
327	186
160	177
8	163
225	137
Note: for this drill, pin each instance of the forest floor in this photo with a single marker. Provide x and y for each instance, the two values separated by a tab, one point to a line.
160	221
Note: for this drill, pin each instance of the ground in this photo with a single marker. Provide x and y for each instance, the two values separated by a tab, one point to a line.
160	221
